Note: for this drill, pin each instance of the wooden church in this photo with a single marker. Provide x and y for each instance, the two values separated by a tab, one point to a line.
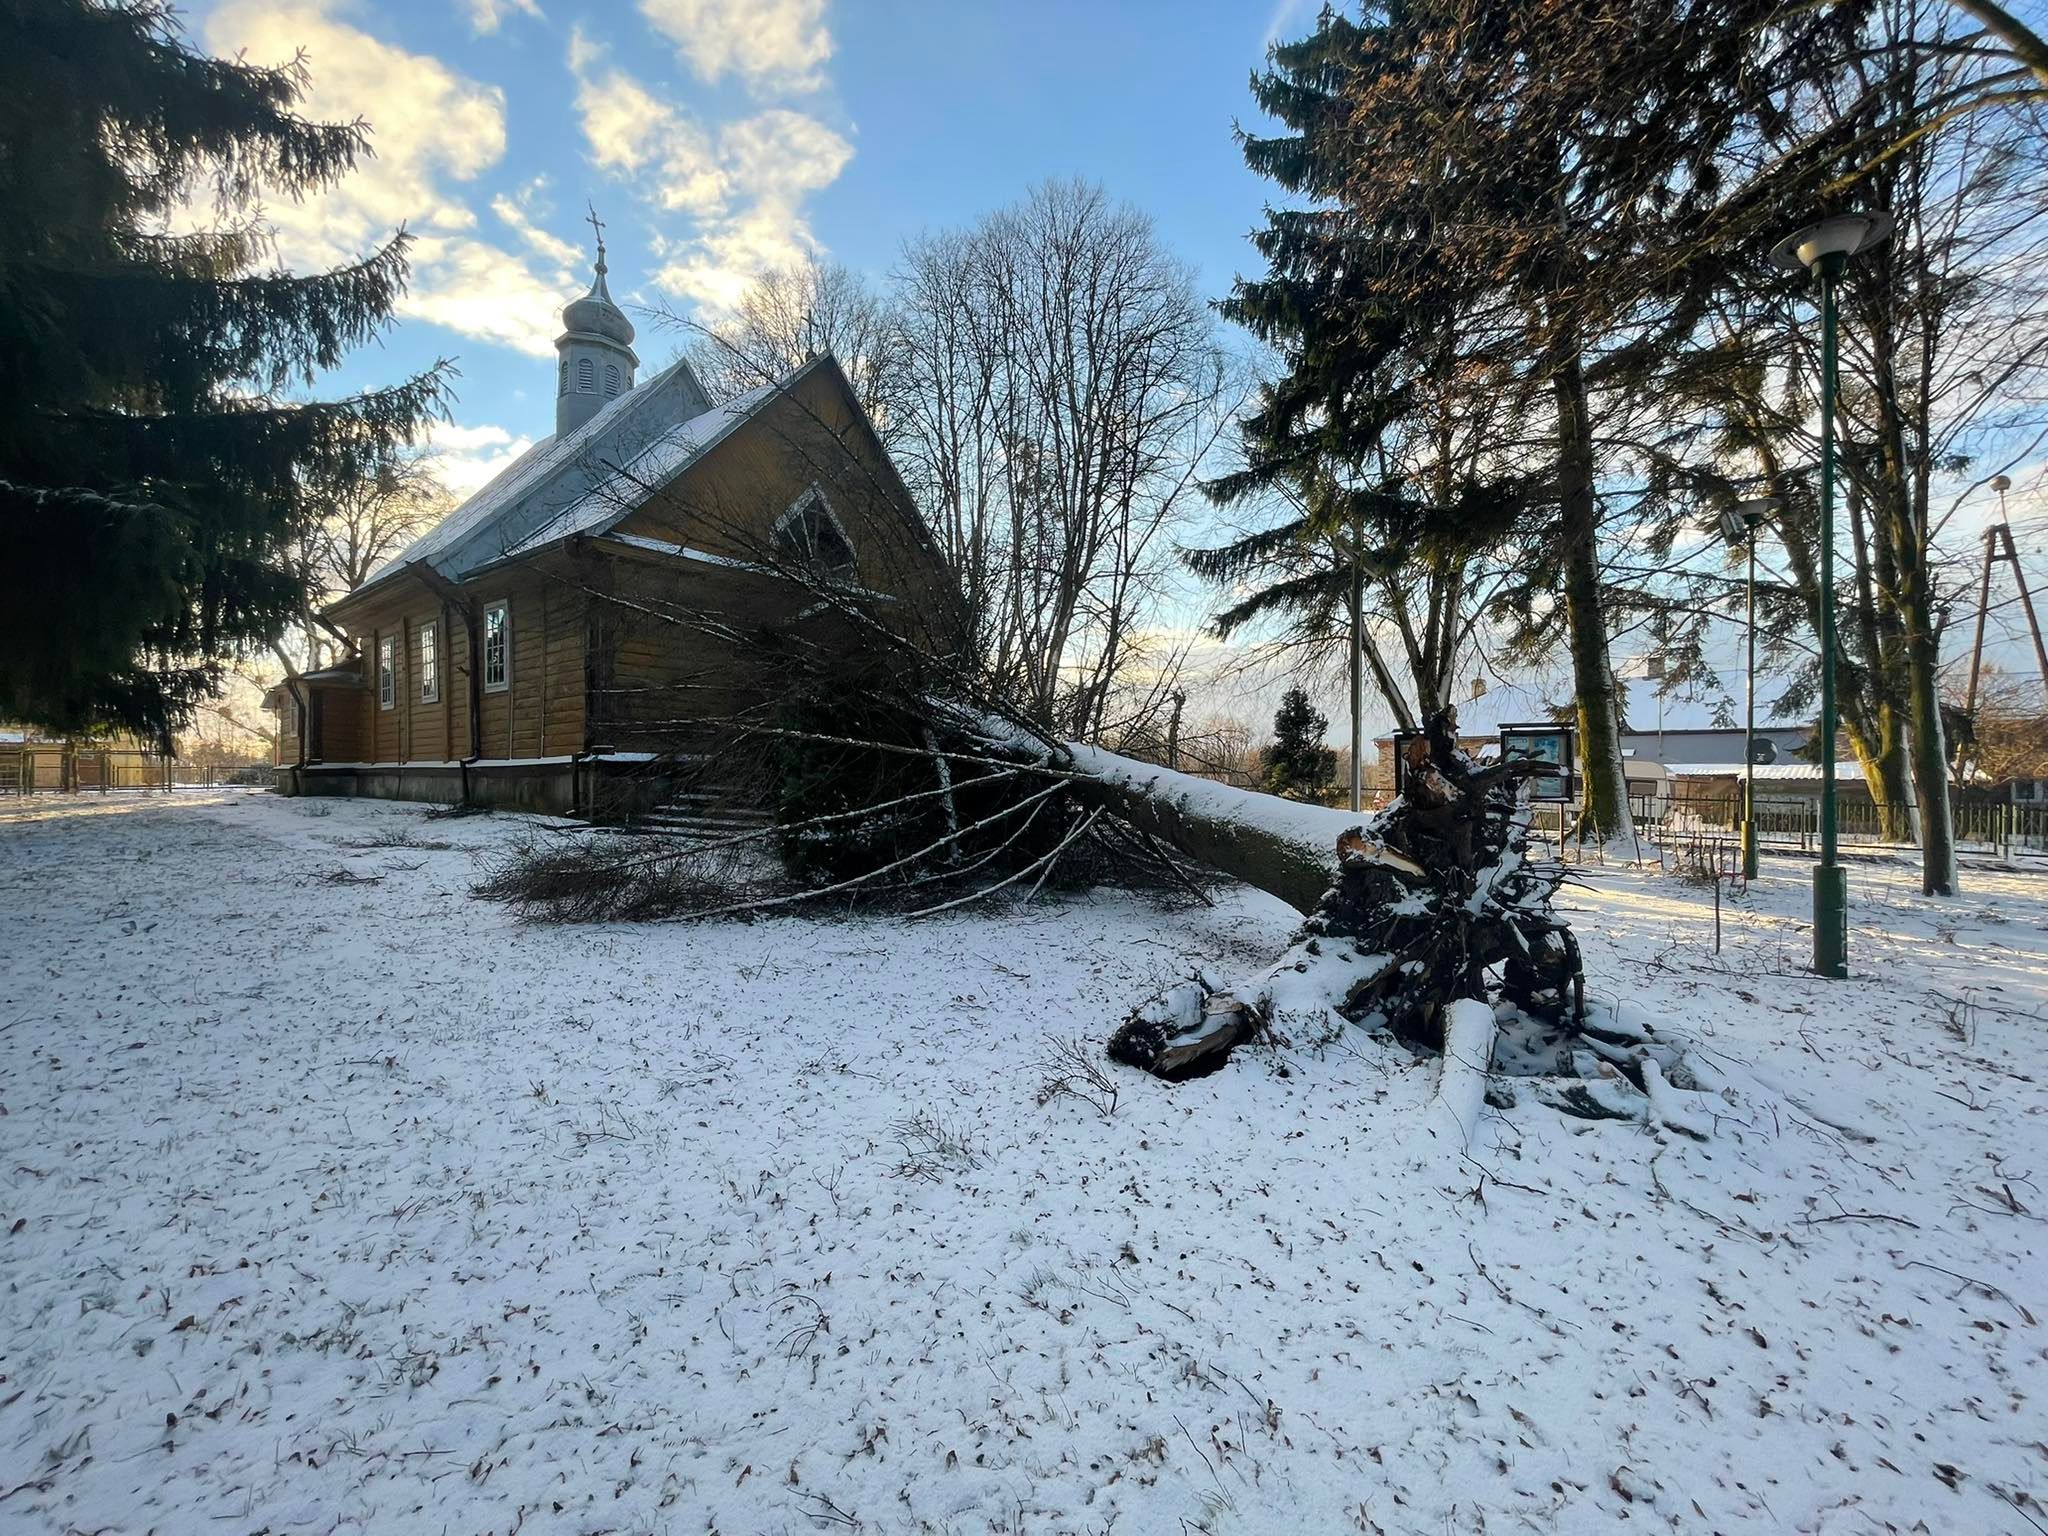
549	644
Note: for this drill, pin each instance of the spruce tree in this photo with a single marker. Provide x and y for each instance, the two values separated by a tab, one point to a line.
1369	449
1546	174
158	458
1298	764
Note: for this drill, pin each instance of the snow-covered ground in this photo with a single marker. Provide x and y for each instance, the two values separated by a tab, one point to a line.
357	1207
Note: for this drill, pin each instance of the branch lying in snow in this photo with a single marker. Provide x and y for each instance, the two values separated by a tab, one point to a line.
1461	1078
1666	1109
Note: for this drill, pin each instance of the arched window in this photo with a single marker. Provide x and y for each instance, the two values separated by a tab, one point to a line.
564	389
810	535
611	378
586	376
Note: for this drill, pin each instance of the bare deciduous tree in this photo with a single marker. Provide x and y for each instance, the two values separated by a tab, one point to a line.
360	525
1063	383
792	314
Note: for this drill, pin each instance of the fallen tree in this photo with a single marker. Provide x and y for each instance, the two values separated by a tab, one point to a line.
901	783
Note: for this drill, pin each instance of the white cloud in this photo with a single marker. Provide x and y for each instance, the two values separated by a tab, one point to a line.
1288	18
743	187
433	129
632	131
466	458
770	44
484	292
518	214
486	16
782	155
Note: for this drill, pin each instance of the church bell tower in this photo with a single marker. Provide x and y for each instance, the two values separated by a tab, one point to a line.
596	351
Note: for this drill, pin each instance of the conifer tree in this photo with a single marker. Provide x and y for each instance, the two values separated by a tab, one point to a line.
1298	764
158	458
1547	174
1368	448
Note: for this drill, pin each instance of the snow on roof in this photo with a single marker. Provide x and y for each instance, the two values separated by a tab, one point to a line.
681	551
1793	772
1644	714
580	482
627	482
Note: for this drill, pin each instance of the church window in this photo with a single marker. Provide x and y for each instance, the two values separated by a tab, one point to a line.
387	671
430	663
564	388
586	376
497	647
809	535
611	378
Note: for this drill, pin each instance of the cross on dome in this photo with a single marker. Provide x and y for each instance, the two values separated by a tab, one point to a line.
596	347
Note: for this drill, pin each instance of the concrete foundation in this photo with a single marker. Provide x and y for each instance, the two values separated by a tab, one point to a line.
607	788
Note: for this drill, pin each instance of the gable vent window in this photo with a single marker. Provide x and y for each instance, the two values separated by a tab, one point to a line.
611	378
586	376
430	663
810	535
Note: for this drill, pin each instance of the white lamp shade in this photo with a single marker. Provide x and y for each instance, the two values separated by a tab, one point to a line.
1845	234
1738	520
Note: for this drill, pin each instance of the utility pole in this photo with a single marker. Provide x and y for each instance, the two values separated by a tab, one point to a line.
1983	606
1997	537
2026	600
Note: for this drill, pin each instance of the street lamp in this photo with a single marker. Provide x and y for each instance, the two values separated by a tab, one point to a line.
1824	250
1739	523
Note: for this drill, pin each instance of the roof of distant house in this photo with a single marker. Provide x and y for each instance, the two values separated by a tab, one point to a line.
1792	772
1530	701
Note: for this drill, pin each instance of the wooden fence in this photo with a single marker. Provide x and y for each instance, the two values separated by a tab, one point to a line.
64	768
55	767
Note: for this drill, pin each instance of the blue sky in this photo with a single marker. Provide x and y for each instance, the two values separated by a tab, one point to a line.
717	137
720	137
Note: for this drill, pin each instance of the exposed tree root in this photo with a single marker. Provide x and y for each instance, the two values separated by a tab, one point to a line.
1437	922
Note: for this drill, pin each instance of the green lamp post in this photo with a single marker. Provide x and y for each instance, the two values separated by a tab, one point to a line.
1824	250
1739	524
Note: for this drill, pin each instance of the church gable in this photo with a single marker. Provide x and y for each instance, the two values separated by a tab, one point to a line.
802	478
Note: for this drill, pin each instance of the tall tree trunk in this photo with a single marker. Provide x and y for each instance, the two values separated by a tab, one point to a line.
1289	853
1930	760
1879	742
1357	659
1903	572
1868	714
1606	814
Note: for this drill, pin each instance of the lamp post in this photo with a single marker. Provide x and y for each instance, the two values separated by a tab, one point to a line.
1824	250
1739	524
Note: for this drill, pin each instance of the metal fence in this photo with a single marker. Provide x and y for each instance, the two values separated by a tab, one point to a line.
1794	823
60	768
224	775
